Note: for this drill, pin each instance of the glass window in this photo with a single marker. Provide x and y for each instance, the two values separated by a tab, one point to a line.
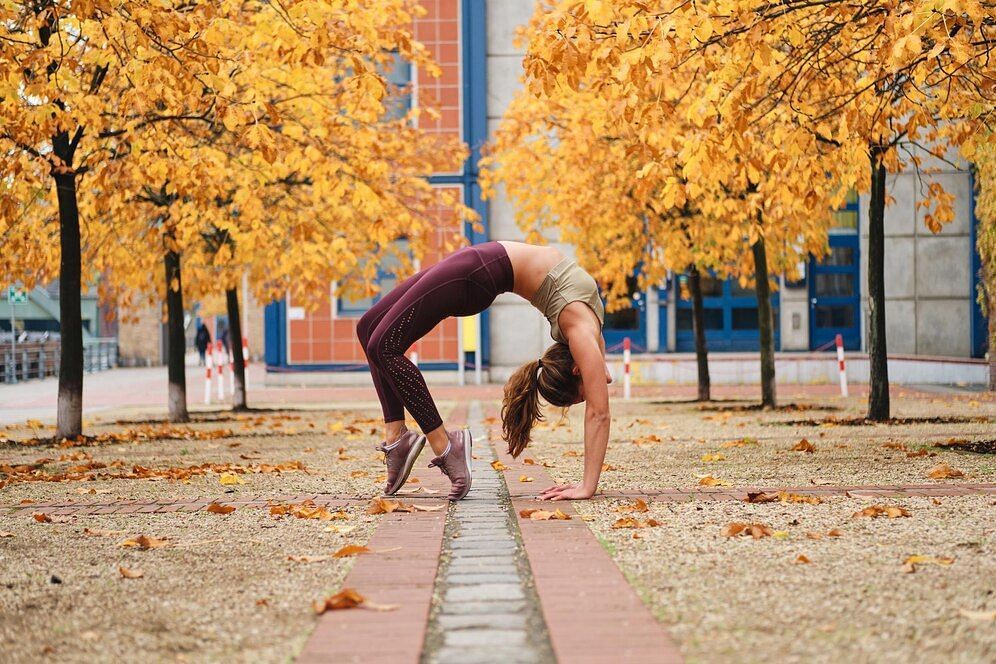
399	78
624	319
712	317
839	256
745	318
835	317
711	287
831	285
386	279
736	290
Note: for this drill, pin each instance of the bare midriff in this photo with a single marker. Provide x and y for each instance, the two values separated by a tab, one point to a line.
530	265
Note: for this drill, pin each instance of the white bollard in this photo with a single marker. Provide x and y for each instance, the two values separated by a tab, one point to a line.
245	361
626	356
207	377
840	365
461	369
231	373
478	369
220	364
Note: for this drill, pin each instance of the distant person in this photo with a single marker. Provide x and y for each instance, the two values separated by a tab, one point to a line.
223	335
202	341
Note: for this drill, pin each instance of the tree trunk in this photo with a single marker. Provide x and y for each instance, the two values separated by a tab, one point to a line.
878	398
698	327
176	345
69	412
235	342
765	323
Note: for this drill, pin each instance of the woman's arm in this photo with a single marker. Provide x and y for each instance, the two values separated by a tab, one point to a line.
589	359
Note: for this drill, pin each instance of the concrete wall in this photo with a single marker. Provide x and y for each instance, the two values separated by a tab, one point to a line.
794	317
928	280
140	337
518	331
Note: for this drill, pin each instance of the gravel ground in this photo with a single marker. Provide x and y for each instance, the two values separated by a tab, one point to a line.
223	589
668	445
746	600
336	448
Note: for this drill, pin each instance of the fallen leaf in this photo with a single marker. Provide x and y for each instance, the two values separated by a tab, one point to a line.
27	501
804	446
524	478
145	542
382	506
131	573
415	507
228	479
741	442
350	550
41	517
802	559
349	599
5	533
780	535
876	511
262	602
498	465
835	533
573	453
638	505
910	564
814	536
755	530
358	473
709	480
630	522
215	508
943	471
713	456
543	515
760	497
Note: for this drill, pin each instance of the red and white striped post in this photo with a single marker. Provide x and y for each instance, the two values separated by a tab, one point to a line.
231	372
626	357
219	354
840	365
207	377
245	360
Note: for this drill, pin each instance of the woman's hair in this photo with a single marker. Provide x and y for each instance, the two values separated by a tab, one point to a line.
551	377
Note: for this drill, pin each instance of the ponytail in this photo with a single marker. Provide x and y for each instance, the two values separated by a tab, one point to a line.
552	378
520	407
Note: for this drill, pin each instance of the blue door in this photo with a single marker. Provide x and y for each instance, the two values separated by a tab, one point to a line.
730	315
630	322
835	295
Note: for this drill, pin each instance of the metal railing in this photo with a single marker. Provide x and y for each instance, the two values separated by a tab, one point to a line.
28	360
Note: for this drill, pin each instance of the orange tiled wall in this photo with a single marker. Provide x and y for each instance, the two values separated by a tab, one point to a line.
322	338
439	30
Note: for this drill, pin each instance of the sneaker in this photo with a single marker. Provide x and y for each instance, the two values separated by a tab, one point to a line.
400	457
456	463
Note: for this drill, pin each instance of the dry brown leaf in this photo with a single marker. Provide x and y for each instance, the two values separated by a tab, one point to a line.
145	542
358	473
349	599
835	533
712	457
630	522
5	533
804	446
609	466
755	530
943	471
985	616
573	453
215	508
638	505
415	507
760	497
876	511
383	506
498	465
41	517
709	480
741	442
350	550
814	536
802	560
910	564
131	573
544	515
525	478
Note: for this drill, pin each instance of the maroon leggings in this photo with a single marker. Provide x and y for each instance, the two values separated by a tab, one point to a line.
463	284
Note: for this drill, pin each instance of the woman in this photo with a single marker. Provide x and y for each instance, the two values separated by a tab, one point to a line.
463	284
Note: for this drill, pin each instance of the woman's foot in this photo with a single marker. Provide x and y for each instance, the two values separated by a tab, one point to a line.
400	457
456	462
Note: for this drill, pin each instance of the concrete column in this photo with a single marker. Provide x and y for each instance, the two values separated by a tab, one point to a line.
653	314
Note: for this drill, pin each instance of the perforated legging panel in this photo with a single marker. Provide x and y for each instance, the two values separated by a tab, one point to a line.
463	284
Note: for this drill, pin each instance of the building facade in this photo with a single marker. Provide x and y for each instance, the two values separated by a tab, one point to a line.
930	279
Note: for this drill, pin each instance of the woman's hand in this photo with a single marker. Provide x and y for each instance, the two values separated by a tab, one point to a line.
566	492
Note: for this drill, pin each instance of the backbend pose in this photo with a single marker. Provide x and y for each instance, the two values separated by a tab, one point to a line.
463	284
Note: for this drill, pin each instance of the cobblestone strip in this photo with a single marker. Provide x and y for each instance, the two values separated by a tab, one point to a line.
485	609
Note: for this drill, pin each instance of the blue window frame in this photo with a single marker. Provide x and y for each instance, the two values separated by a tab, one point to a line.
729	313
835	284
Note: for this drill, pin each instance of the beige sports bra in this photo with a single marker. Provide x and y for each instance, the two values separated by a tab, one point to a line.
566	283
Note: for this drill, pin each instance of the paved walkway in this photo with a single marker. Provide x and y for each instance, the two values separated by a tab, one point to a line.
478	583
